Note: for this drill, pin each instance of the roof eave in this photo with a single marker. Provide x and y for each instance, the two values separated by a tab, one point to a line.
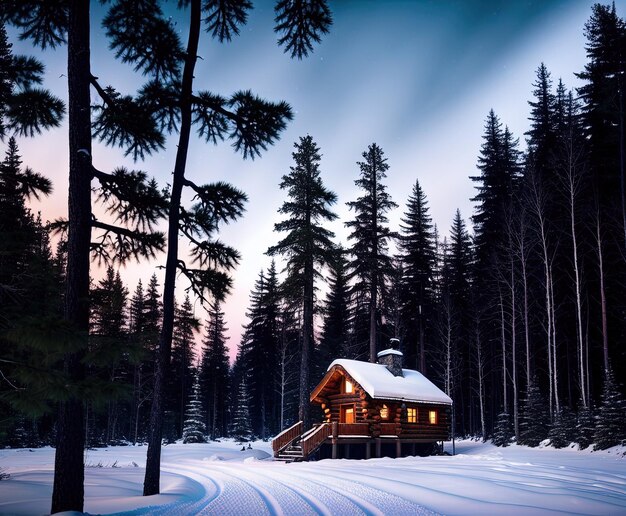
413	400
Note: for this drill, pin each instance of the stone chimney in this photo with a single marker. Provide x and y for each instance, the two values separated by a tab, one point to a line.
392	358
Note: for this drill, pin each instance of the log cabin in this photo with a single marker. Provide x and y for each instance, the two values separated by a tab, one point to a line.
370	409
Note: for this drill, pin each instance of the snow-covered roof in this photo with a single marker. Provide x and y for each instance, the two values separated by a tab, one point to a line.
389	351
380	383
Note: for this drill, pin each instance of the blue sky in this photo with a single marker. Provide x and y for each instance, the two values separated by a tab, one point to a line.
416	77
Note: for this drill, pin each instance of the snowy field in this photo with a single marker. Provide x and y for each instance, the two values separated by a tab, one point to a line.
218	478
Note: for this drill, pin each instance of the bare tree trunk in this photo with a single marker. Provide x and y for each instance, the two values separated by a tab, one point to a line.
68	486
620	96
553	330
153	460
538	205
480	363
514	351
572	179
505	404
422	352
605	338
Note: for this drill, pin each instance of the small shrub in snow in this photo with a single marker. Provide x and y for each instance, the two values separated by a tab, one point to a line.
563	430
241	429
3	475
585	426
611	417
503	433
534	422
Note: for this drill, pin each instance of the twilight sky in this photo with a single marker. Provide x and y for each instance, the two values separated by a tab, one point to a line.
416	77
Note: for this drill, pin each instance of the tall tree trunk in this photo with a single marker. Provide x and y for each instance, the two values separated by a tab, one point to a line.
538	206
481	381
68	488
373	304
422	352
304	412
605	338
153	459
571	180
514	349
555	370
622	157
505	404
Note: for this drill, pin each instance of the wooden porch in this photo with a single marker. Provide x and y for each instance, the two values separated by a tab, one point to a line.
294	445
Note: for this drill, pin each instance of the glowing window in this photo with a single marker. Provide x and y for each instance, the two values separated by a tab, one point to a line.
347	414
384	412
411	415
432	417
349	387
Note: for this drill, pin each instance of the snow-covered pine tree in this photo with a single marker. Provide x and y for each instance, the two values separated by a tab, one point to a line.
611	417
370	234
194	430
534	424
585	426
503	432
307	246
241	428
563	431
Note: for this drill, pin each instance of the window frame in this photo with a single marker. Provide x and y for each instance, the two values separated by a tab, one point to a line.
384	409
411	415
433	416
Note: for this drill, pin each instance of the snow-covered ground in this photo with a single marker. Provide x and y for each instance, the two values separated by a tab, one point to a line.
218	478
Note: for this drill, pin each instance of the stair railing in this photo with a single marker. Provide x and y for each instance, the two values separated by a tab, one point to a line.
315	439
286	437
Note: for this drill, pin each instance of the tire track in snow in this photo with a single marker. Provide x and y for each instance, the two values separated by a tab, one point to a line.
367	498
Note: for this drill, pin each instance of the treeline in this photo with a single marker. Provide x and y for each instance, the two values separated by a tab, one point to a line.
521	320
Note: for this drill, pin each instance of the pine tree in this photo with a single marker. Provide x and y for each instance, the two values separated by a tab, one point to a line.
308	246
371	263
603	98
451	356
214	373
29	293
500	170
585	426
534	424
503	432
134	203
542	134
417	247
194	430
563	429
111	353
181	365
611	416
241	429
258	354
25	109
334	339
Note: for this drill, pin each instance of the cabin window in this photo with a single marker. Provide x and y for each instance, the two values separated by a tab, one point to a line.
348	387
347	414
384	412
432	417
411	415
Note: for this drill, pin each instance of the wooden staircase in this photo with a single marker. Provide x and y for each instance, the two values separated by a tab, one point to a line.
291	445
293	453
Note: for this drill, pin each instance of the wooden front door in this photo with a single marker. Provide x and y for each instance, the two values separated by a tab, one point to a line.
347	414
